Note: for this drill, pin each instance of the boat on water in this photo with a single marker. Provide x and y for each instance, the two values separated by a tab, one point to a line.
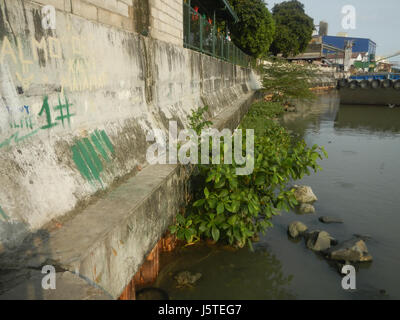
370	89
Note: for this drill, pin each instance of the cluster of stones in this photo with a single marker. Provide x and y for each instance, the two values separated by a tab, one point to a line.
353	250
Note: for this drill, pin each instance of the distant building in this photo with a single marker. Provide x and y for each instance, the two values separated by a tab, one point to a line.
343	52
323	28
396	69
384	67
360	45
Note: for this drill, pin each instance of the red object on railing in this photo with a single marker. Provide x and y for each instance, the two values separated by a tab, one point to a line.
195	16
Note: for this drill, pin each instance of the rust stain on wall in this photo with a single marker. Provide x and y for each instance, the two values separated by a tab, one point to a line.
150	269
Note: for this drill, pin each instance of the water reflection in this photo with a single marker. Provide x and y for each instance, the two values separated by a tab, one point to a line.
359	185
379	120
226	274
309	115
373	119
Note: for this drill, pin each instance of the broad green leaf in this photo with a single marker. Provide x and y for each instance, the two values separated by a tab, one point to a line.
260	180
212	202
206	192
215	233
220	208
224	193
232	220
173	229
199	203
180	219
181	234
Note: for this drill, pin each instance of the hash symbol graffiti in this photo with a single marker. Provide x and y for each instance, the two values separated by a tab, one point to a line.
62	108
63	115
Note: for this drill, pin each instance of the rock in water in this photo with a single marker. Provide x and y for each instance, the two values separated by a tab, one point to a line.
354	250
330	220
306	208
186	279
296	229
319	240
364	237
304	194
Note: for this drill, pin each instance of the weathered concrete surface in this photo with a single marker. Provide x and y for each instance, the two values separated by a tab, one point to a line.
68	287
108	241
76	105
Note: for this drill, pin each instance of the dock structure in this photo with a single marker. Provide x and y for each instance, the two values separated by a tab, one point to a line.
370	89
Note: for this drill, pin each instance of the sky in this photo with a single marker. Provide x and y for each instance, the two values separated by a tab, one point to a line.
376	20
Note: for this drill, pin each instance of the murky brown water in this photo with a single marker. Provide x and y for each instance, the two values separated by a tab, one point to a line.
360	184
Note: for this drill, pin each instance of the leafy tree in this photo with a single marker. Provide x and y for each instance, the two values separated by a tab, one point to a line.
255	31
294	28
289	81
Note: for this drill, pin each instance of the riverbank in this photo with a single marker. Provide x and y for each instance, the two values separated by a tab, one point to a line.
357	185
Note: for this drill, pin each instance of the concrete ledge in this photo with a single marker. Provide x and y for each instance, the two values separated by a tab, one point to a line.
69	287
108	241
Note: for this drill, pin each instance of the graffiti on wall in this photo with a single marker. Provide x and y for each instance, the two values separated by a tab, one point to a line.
3	214
88	154
27	127
80	71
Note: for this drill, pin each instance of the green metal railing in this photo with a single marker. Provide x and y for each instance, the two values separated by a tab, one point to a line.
201	36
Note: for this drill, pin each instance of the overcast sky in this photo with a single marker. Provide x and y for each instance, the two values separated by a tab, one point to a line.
376	20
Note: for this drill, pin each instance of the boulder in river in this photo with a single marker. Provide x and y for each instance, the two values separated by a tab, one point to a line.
354	250
296	229
304	194
330	220
319	240
306	208
186	279
365	237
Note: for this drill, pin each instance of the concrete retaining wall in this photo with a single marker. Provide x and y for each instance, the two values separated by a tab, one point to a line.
76	104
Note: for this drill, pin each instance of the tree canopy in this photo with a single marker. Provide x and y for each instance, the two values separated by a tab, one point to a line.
255	31
289	81
294	28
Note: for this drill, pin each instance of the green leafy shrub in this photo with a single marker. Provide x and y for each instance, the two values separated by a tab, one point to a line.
234	209
261	116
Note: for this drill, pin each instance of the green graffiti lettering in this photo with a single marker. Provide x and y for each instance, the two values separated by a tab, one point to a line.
3	214
87	154
46	108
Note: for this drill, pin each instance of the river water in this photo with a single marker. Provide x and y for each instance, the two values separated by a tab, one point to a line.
360	184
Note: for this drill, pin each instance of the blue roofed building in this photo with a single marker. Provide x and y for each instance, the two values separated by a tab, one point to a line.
360	45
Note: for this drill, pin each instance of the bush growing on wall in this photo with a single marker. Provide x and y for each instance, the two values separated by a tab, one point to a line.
234	209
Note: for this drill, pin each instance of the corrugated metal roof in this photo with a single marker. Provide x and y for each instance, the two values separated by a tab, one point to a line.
305	56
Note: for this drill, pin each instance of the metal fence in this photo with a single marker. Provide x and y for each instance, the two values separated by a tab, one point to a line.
200	35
